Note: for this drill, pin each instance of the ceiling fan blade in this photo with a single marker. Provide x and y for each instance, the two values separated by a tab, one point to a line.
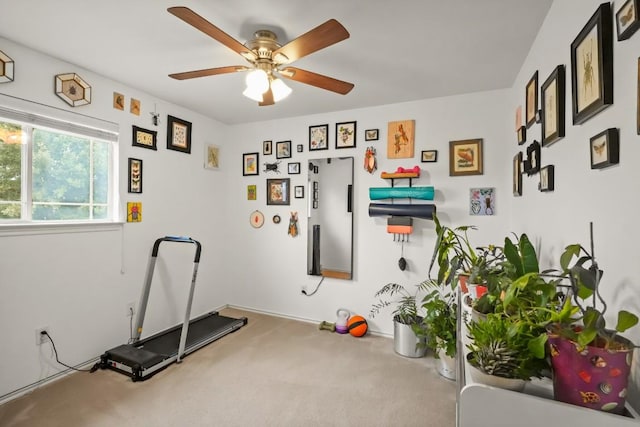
197	21
317	80
267	98
208	72
322	36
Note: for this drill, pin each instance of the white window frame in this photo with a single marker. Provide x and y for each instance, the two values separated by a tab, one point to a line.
33	115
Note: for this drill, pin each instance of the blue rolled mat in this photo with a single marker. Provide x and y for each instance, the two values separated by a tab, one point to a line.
422	193
425	211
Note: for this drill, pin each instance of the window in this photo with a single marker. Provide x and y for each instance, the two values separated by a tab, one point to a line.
55	171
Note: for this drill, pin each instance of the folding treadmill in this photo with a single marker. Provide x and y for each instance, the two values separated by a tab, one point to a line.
142	358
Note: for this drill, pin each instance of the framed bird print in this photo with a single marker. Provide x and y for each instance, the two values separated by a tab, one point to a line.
400	139
605	149
465	157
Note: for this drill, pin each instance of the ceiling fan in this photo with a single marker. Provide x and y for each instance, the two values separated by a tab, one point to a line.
269	60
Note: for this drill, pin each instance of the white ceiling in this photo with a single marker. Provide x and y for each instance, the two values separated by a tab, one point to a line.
399	50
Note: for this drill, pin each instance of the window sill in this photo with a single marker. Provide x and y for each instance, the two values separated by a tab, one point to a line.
7	230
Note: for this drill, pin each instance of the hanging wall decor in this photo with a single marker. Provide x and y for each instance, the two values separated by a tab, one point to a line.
546	179
627	19
482	201
299	192
134	107
400	139
553	106
371	135
465	157
118	101
267	148
605	149
256	219
429	156
531	99
592	66
178	135
7	68
522	135
318	137
370	161
144	138
211	156
72	89
250	164
134	212
135	175
532	163
283	150
278	191
252	192
517	174
346	135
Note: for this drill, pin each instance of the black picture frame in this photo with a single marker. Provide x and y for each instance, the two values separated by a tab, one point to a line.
144	138
283	149
318	137
605	149
135	176
299	148
531	100
627	22
522	135
250	164
267	148
546	179
532	164
371	134
429	156
517	174
589	97
553	106
178	135
278	191
299	192
293	168
346	135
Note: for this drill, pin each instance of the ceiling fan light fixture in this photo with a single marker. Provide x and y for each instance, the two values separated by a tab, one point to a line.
253	94
279	89
257	81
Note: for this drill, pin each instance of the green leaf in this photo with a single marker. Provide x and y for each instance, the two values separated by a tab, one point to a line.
626	320
569	252
511	253
586	337
537	346
528	254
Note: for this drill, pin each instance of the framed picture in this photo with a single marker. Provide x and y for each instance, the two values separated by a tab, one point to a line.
605	149
482	201
267	148
318	137
627	21
522	135
135	175
346	135
118	101
532	164
517	174
144	138
252	192
299	192
400	139
134	106
429	156
178	135
553	106
518	117
293	168
134	211
283	150
211	156
315	185
250	163
371	135
278	191
546	179
592	66
531	100
465	157
315	204
300	148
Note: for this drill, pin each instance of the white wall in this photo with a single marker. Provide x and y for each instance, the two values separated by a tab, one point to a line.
79	284
607	196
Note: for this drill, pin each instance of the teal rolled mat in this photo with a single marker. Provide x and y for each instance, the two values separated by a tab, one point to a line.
422	193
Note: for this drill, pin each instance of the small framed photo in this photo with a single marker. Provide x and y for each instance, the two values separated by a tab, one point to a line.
278	191
135	176
429	156
532	163
211	156
315	185
627	19
517	174
300	148
553	106
346	135
267	148
465	157
299	192
250	163
144	138
318	137
605	149
252	192
178	135
531	100
546	179
283	150
315	204
134	106
482	201
293	168
371	135
522	135
592	66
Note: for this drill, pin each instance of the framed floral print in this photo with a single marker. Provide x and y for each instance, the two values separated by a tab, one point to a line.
278	191
318	137
346	135
178	135
283	150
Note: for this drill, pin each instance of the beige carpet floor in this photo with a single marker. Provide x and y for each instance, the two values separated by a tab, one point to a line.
271	372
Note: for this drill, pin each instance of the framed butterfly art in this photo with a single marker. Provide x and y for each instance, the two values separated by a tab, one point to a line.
605	149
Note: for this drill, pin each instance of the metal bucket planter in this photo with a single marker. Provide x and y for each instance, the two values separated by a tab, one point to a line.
446	366
405	341
594	377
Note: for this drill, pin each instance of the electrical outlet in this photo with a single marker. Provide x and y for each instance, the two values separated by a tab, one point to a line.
40	337
303	289
131	309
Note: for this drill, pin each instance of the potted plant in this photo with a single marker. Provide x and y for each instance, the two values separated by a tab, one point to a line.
591	362
405	315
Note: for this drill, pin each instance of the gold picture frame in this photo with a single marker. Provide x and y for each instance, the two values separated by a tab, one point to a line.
465	157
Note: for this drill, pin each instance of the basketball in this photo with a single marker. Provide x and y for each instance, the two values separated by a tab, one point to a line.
357	326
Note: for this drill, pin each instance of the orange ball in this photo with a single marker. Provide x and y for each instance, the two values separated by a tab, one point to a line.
357	326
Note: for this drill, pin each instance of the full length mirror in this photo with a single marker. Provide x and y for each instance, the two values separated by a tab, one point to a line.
330	217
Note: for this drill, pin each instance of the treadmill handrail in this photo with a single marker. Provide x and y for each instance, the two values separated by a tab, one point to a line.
181	239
